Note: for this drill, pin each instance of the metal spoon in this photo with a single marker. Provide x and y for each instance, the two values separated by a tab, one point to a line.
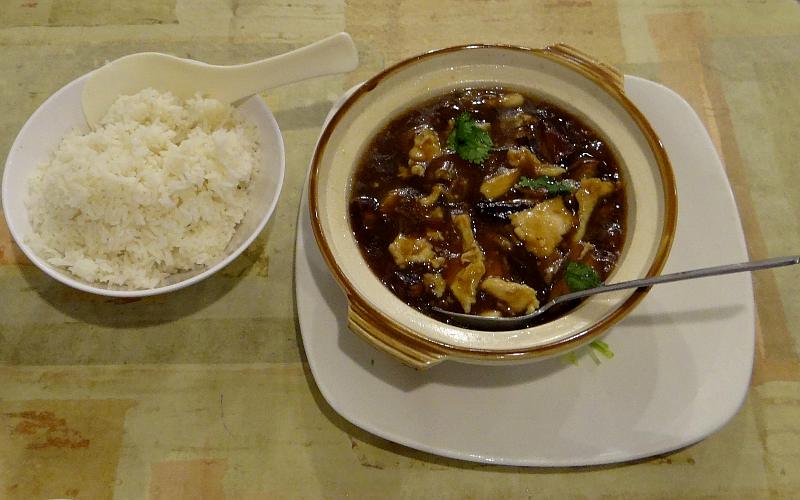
493	323
184	77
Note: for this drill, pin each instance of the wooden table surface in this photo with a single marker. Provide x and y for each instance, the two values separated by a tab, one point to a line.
205	393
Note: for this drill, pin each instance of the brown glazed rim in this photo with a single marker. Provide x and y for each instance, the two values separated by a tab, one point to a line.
396	335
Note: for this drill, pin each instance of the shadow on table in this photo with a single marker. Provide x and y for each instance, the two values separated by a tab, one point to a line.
145	311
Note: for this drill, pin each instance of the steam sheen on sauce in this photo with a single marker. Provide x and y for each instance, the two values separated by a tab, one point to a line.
413	202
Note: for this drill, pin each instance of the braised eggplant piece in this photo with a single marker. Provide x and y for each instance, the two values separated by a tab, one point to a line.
488	201
501	210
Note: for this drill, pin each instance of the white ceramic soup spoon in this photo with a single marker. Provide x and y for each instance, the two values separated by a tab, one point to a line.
184	77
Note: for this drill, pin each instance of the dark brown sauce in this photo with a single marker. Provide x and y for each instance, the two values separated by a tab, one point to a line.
385	199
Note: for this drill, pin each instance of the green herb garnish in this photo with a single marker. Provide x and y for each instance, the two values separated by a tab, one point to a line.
602	348
598	346
570	358
471	142
553	187
580	277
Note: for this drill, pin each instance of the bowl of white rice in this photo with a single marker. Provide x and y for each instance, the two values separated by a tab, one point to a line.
162	194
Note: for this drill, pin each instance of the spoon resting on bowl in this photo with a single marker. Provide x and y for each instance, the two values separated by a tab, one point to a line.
184	77
509	323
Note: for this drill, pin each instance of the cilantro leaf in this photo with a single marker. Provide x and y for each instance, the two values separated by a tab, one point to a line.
552	186
602	348
580	277
597	346
471	142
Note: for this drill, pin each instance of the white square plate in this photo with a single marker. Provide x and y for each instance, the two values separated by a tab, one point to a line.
683	356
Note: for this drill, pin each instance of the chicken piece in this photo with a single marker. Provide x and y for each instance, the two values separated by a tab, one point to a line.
527	160
464	226
434	235
444	173
432	198
543	226
435	283
406	250
519	120
517	156
510	100
586	248
436	214
465	284
498	184
519	298
551	265
418	169
426	148
588	194
550	170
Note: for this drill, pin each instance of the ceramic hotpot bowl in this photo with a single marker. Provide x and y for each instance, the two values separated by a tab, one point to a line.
559	74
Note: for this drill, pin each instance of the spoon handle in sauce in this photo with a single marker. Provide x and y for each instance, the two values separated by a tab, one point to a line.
680	276
508	323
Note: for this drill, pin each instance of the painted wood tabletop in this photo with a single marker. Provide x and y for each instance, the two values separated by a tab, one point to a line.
205	393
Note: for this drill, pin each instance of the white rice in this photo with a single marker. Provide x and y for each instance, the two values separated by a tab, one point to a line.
157	189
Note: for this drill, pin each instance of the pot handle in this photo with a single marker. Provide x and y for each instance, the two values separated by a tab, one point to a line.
409	351
603	71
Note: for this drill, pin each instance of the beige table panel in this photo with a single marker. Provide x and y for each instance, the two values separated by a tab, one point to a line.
205	393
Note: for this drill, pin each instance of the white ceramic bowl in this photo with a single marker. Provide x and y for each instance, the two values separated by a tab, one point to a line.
61	113
560	75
